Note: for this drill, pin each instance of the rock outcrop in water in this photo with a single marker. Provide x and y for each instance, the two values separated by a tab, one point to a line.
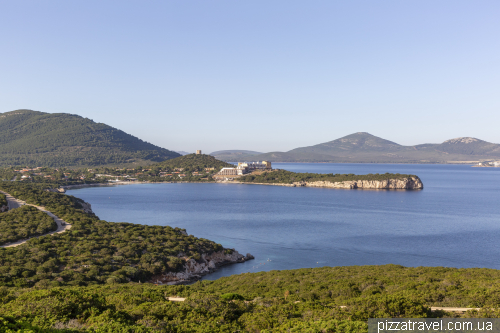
195	269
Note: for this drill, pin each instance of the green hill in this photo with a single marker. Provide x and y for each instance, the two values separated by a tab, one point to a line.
32	138
93	251
194	162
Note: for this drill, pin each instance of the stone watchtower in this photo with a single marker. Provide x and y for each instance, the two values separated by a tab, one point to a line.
198	152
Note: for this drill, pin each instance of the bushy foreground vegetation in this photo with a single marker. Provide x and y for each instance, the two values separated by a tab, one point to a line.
288	177
3	200
24	222
93	251
328	299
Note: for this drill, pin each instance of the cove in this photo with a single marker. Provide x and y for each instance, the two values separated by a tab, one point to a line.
453	222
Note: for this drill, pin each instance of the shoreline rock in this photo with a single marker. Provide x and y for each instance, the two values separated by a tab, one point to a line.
87	208
195	269
410	183
56	190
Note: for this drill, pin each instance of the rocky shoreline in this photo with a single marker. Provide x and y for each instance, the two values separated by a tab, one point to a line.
64	188
410	183
194	270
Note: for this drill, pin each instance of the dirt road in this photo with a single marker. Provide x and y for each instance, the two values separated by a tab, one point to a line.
14	203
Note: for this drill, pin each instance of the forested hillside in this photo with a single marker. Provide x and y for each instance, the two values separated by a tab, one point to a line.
24	222
194	162
32	138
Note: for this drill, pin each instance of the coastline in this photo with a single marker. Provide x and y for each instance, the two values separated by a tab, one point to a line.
388	184
193	270
73	187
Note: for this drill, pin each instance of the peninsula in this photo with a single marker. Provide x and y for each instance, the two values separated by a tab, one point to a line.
342	181
206	168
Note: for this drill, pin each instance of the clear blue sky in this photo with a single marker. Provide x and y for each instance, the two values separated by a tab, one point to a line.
258	75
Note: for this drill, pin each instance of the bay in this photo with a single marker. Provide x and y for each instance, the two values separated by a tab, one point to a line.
454	221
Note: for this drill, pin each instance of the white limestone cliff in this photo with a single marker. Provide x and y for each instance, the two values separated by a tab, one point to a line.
193	270
410	183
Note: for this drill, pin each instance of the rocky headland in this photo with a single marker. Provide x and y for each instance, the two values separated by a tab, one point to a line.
193	270
410	183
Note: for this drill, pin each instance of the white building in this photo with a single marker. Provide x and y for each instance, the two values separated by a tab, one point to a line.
228	171
239	170
264	165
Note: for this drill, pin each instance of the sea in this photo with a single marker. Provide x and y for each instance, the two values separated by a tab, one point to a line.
453	222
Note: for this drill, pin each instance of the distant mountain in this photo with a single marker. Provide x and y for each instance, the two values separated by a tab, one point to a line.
234	155
363	147
182	152
32	138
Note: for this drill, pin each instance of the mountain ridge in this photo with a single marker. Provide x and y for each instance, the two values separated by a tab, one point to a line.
363	147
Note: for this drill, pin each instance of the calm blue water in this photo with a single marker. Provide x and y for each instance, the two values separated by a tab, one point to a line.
454	221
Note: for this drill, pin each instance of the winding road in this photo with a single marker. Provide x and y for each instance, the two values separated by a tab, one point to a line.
14	203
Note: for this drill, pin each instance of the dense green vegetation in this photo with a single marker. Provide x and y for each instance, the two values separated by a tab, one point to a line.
186	168
302	300
31	138
7	174
24	222
288	177
3	200
93	251
436	286
190	167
